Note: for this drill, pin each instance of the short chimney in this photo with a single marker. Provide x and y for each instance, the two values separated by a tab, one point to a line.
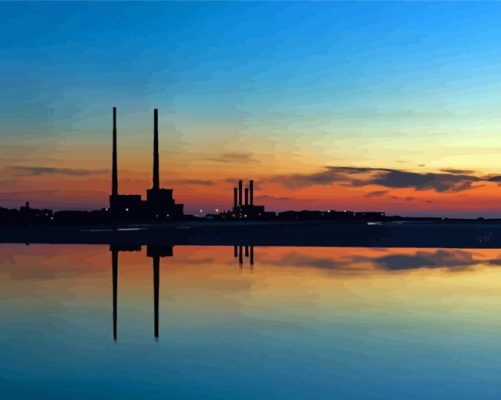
240	193
251	192
246	196
235	197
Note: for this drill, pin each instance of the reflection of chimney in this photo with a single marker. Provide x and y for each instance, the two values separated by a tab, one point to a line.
235	197
240	193
156	290
114	167
246	196
251	192
156	169
114	266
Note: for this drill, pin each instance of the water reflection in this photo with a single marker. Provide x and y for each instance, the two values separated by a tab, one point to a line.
155	252
249	253
333	260
409	323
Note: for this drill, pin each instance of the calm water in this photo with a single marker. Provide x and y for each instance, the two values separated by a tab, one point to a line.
300	323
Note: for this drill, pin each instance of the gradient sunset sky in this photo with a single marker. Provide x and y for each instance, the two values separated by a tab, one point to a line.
362	106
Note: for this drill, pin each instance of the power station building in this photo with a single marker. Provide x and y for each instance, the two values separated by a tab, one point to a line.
159	203
243	203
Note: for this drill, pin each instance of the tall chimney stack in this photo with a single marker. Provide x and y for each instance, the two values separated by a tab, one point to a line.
251	192
240	193
156	168
114	166
235	197
246	196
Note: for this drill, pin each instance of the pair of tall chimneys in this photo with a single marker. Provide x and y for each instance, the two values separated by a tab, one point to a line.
156	159
249	192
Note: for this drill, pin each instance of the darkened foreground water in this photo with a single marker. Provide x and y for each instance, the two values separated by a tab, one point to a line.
301	323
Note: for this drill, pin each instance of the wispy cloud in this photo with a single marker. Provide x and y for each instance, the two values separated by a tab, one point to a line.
242	157
39	171
266	197
376	194
201	182
457	171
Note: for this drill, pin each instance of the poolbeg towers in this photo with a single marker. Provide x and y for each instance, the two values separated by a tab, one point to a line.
159	204
160	201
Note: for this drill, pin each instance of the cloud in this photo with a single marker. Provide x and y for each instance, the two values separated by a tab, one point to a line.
39	171
457	171
494	178
201	182
266	197
381	193
386	177
233	158
377	193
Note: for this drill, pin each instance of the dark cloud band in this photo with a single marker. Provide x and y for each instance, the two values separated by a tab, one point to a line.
445	181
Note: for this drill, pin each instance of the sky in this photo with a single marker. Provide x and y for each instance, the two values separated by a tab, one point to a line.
360	106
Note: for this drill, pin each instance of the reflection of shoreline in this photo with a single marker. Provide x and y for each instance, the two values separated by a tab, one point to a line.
423	234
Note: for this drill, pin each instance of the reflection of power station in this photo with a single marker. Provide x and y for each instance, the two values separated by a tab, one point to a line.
154	252
238	252
159	203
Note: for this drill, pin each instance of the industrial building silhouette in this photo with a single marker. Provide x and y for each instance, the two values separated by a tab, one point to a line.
159	203
245	209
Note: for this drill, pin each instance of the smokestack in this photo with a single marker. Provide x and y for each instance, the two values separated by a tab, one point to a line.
114	166
246	196
251	192
240	193
235	197
156	169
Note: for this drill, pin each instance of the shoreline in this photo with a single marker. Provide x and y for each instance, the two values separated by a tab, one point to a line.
446	234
